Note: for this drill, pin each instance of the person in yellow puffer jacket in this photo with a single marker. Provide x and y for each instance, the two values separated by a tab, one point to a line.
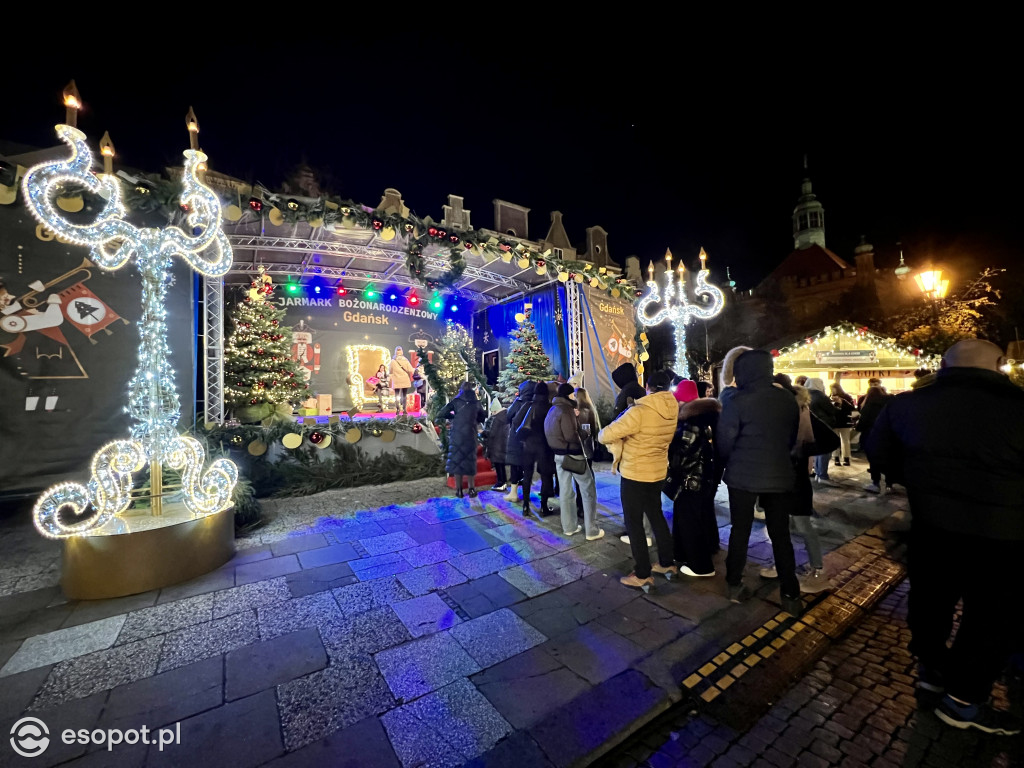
639	441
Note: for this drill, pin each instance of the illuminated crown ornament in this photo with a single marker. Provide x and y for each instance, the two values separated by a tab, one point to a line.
153	399
675	304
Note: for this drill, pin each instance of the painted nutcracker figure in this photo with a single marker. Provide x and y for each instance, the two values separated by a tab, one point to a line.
305	351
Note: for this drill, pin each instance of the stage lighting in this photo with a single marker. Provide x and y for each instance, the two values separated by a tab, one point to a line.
370	293
454	308
341	290
436	304
292	288
393	297
317	289
414	300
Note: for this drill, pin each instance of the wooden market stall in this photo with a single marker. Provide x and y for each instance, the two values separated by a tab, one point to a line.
852	354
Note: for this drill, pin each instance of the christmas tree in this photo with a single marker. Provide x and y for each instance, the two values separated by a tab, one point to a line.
259	373
455	347
526	359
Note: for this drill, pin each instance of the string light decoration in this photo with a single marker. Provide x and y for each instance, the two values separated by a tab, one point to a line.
834	339
153	402
675	304
356	383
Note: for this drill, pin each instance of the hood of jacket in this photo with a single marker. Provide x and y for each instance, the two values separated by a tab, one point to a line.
754	368
663	403
624	374
803	396
816	385
526	386
469	396
699	407
728	366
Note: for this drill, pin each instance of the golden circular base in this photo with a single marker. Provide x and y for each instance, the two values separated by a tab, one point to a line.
138	552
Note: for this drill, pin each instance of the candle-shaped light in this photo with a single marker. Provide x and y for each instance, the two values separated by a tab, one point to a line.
668	258
703	259
107	150
72	103
193	129
650	271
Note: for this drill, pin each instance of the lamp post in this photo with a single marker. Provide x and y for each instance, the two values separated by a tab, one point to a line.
932	285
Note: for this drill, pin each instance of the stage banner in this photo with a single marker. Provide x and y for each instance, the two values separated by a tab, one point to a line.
68	347
609	328
337	336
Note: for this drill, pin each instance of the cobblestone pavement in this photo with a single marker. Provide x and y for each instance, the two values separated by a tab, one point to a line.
425	632
857	707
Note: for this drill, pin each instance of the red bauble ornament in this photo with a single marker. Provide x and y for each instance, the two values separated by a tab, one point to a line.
316	437
505	246
540	262
185	207
291	374
417	428
259	351
432	231
917	353
455	239
409	227
775	353
378	224
253	401
273	323
256	204
468	245
441	233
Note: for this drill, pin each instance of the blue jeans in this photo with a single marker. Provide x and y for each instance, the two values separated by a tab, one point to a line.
567	498
821	466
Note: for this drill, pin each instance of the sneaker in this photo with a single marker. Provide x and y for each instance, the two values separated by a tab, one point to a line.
512	495
794	606
980	716
769	572
739	593
815	581
598	535
688	571
839	463
846	462
625	540
758	513
573	533
930	679
500	488
827	482
872	488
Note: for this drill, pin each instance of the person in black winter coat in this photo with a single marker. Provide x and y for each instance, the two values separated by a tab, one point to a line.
965	484
514	443
756	435
826	413
692	480
875	399
537	454
629	388
465	413
845	409
495	443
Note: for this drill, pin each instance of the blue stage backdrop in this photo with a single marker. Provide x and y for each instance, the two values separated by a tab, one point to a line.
493	326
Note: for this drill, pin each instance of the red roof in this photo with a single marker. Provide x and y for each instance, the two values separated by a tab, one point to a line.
813	261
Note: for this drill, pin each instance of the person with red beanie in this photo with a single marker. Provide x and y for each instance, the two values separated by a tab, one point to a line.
691	479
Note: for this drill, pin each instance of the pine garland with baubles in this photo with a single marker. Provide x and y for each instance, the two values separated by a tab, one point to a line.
526	359
260	376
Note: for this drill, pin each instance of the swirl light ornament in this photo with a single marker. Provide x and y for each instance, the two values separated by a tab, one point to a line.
675	304
152	396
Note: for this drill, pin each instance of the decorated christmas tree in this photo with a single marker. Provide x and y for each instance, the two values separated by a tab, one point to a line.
526	358
259	374
454	348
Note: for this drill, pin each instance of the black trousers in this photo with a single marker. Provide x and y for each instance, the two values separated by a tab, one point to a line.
502	476
515	473
777	509
547	481
640	499
948	567
690	539
710	521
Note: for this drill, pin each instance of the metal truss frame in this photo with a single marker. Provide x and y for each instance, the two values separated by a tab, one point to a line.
213	349
575	331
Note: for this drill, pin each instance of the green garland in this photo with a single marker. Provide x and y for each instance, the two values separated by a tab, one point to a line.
152	193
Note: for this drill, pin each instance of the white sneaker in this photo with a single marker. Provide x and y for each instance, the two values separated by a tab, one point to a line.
758	513
688	571
625	540
512	495
815	581
573	533
827	482
769	572
600	535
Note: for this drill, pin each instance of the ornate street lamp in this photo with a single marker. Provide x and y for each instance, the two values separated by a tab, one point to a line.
675	305
932	285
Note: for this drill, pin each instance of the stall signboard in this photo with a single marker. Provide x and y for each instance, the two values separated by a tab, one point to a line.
846	357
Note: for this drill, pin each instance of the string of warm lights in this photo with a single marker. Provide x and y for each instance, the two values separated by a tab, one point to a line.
357	386
152	399
831	339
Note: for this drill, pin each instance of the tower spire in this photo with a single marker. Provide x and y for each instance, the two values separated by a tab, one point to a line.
808	216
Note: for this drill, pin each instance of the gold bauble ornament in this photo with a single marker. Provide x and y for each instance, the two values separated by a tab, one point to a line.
276	217
542	271
232	213
388	233
353	435
615	293
520	317
594	282
257	448
292	440
578	278
644	356
387	436
316	222
563	277
506	257
523	263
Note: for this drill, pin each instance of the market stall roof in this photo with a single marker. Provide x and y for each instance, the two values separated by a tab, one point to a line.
806	349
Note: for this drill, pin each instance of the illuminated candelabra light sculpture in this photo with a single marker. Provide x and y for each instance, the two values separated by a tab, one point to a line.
675	304
153	399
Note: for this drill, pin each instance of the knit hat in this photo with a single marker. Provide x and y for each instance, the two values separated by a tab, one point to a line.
686	391
565	390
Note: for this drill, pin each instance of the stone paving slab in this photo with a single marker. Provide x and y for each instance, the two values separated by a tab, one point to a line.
361	745
63	644
253	668
493	591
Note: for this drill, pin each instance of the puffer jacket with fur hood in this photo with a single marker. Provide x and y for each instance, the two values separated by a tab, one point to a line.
640	437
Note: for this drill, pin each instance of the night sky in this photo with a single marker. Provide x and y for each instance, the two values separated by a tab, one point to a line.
678	152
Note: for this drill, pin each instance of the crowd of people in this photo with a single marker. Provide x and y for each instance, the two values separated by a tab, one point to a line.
768	439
